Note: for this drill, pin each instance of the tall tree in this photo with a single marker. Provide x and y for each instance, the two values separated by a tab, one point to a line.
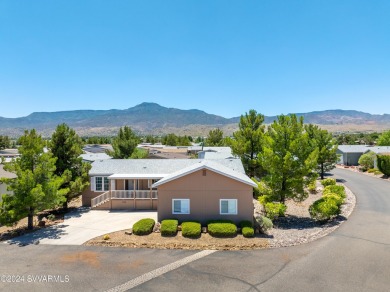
215	137
124	144
36	187
247	141
5	142
384	139
66	146
288	158
327	147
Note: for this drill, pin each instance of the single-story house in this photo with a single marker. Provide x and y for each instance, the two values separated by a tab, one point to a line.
350	154
3	186
91	157
186	189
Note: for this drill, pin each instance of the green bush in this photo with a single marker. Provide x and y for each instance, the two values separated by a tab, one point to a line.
328	182
384	164
335	197
143	226
366	161
247	228
264	223
335	189
191	229
312	187
324	209
169	227
222	228
275	210
374	171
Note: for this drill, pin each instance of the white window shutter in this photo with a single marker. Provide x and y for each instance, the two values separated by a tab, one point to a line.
93	185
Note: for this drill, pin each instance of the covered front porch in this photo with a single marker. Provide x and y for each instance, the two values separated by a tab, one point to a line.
128	193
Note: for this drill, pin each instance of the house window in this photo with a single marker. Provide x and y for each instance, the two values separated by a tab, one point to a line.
228	206
101	183
180	206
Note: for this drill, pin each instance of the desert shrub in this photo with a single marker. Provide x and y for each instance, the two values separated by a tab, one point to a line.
335	189
366	161
328	182
384	164
264	223
275	210
222	228
374	171
335	197
191	229
143	226
169	227
312	187
324	209
247	228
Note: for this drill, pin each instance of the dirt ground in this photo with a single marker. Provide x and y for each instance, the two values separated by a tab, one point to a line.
7	232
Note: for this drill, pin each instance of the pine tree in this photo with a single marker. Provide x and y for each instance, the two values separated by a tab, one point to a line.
66	146
288	159
36	187
247	142
124	144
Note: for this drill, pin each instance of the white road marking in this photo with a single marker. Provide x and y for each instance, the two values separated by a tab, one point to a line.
160	271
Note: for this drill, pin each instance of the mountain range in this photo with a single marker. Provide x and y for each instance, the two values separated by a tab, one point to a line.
152	118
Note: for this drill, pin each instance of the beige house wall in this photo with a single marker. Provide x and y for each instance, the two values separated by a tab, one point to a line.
205	193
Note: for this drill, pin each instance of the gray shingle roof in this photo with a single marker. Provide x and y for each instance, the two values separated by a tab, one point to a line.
210	165
154	166
363	149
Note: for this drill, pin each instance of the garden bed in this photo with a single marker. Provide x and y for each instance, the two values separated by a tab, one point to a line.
295	228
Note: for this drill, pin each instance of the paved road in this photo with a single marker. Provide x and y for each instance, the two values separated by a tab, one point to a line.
356	257
82	225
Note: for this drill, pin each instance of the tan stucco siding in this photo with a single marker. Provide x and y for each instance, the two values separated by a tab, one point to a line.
205	193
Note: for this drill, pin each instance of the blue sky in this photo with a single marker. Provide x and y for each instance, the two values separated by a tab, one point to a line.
224	57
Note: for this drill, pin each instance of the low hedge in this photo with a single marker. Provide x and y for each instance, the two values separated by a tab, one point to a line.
335	197
335	189
247	228
143	226
324	209
169	227
191	229
222	228
328	182
275	210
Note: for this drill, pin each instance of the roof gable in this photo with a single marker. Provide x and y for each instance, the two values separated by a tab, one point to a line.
209	165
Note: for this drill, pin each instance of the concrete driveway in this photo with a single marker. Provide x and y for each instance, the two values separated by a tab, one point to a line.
82	225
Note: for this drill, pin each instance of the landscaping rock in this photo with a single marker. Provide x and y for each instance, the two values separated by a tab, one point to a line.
204	229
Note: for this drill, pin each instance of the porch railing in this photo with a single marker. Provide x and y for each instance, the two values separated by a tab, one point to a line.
100	199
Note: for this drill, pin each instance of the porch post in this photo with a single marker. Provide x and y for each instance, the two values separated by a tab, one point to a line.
150	194
134	188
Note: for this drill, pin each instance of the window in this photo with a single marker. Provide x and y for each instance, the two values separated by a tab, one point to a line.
228	206
101	184
180	206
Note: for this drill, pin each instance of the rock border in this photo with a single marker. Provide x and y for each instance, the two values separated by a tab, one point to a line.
322	230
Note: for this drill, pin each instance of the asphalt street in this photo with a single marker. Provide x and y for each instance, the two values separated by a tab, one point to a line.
356	257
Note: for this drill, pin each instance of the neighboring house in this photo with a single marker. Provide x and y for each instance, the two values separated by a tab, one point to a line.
350	154
9	154
216	153
3	186
192	189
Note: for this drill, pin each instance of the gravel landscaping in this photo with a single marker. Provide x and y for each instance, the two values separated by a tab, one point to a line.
295	228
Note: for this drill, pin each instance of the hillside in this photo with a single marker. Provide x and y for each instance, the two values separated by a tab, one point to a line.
151	118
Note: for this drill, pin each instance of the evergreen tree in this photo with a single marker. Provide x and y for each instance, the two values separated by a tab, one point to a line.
327	147
384	139
5	142
36	187
247	142
124	144
67	147
215	137
289	160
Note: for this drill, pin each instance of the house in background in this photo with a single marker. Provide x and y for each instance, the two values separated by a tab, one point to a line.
187	189
349	154
3	186
9	154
